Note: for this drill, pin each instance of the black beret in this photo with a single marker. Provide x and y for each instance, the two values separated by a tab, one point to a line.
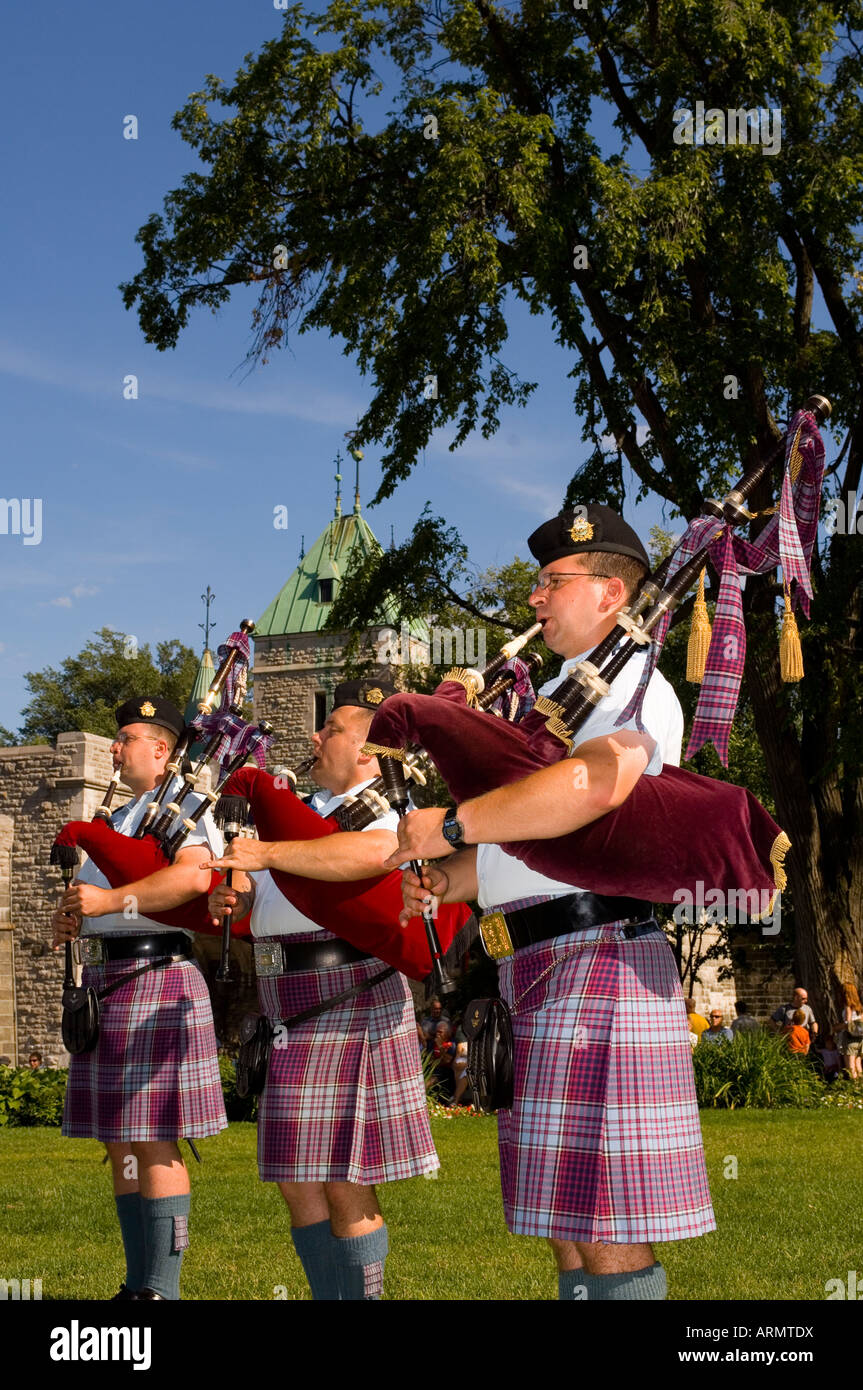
368	693
145	710
573	533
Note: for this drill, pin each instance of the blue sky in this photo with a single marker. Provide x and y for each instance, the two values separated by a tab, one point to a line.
145	502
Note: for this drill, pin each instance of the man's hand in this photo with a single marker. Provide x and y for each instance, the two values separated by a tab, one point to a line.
417	896
419	834
222	900
86	900
66	926
241	853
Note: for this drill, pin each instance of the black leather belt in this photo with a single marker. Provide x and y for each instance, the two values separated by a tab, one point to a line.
275	957
140	947
503	933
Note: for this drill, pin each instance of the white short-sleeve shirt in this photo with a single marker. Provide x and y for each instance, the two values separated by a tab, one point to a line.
125	820
501	877
273	914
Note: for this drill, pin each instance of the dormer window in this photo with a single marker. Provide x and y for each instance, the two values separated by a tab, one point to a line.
325	591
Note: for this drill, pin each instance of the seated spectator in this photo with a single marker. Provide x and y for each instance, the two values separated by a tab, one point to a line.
715	1032
797	1034
850	1040
744	1022
436	1015
697	1022
830	1058
463	1094
442	1048
34	1061
784	1013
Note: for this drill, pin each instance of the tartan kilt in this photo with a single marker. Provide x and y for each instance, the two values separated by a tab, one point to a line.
344	1099
603	1141
154	1073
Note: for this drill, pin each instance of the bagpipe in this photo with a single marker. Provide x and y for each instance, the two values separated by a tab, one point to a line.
364	912
166	825
677	831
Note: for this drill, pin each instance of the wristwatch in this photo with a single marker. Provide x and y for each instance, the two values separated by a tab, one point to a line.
452	829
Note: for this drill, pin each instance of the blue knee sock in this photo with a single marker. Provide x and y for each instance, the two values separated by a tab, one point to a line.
637	1284
132	1230
315	1246
361	1265
166	1233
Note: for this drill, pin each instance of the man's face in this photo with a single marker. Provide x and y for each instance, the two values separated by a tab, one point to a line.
34	1062
337	746
140	754
800	997
571	613
436	1009
715	1019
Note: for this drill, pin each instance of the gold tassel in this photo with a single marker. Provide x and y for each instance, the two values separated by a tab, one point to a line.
699	637
780	847
790	655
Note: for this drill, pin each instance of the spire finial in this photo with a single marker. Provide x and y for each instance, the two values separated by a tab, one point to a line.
207	599
302	548
356	454
338	462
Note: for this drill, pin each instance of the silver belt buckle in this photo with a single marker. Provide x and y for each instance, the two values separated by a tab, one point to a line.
269	959
90	950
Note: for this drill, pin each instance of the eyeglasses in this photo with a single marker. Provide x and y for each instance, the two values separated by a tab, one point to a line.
123	739
554	581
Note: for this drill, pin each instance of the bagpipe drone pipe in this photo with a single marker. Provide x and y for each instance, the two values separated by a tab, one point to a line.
677	832
364	912
125	859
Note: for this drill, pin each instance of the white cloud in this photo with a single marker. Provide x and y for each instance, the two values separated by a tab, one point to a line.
84	591
64	602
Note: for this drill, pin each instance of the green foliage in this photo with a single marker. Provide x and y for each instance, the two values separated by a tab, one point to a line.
754	1070
31	1097
86	689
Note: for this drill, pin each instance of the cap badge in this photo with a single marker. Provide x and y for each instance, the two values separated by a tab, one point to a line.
581	530
374	696
147	710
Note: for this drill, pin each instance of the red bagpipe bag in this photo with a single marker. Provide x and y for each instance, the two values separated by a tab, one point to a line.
364	912
676	833
123	860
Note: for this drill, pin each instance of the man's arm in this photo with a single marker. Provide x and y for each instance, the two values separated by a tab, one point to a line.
177	883
340	858
543	806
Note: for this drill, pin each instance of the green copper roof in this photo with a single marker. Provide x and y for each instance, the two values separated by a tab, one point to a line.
203	681
298	606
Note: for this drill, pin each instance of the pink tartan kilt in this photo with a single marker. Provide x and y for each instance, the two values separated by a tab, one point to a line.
154	1073
345	1099
603	1141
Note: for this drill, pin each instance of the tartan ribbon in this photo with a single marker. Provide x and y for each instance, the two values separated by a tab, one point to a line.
521	693
237	737
787	539
240	641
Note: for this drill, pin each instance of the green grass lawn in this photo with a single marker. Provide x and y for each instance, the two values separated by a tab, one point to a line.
790	1220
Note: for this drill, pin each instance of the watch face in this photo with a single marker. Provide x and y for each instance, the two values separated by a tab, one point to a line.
453	830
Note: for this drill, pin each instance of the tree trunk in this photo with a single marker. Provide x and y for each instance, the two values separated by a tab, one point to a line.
828	940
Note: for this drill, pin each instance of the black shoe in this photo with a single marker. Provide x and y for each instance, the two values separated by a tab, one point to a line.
123	1295
147	1294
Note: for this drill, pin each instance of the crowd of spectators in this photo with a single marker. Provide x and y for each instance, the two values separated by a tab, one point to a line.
442	1040
796	1022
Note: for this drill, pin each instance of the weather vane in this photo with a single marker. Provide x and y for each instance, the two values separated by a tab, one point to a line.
207	599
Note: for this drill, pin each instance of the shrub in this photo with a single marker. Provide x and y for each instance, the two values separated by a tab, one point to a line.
31	1097
236	1107
755	1070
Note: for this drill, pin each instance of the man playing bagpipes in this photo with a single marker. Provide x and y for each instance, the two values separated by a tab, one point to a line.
153	1075
601	1151
343	1107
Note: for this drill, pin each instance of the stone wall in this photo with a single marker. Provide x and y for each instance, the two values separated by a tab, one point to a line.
40	789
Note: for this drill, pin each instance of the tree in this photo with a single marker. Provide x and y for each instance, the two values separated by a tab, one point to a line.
681	271
87	688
